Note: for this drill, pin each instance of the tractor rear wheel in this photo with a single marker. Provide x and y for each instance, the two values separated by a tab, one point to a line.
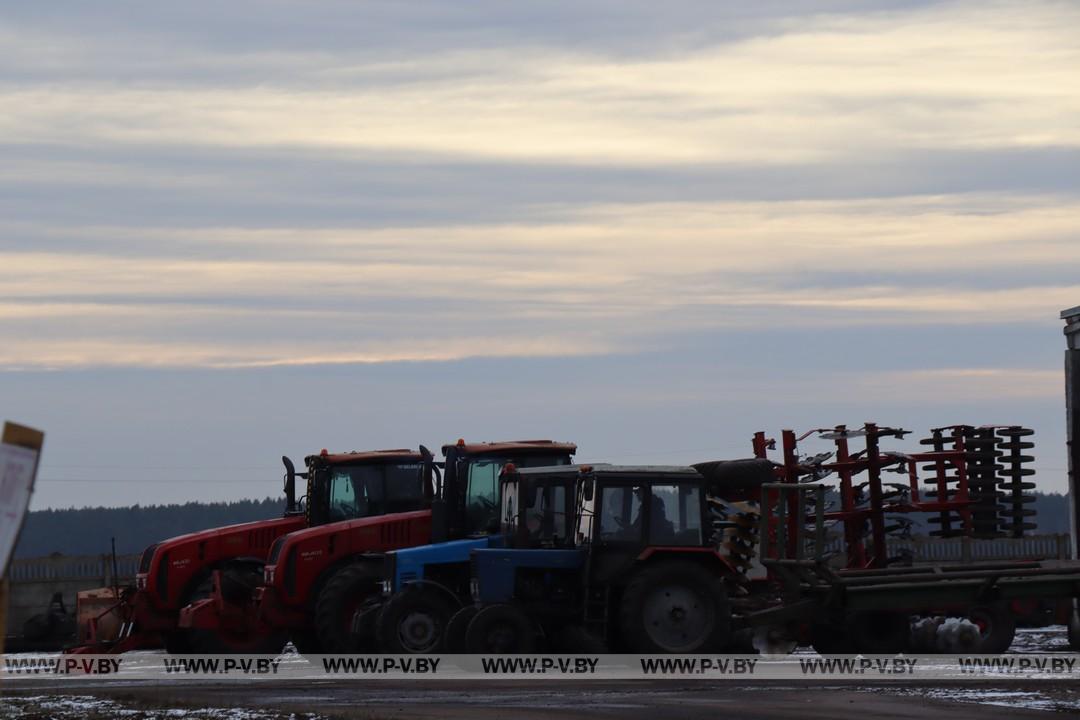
341	597
675	607
500	629
458	625
414	621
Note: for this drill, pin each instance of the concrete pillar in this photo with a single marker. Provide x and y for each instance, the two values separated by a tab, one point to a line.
1072	419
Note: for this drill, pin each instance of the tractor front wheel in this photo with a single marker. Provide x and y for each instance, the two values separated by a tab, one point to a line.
500	629
414	622
350	588
454	635
675	607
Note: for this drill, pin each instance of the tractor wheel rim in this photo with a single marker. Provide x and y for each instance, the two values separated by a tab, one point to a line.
503	638
417	631
677	618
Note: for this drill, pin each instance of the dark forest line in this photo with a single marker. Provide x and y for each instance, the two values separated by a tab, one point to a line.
87	531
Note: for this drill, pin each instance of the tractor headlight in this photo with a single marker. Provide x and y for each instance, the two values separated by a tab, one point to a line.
387	587
140	582
474	589
268	575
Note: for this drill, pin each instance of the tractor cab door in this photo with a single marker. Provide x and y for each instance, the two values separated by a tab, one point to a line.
618	529
632	516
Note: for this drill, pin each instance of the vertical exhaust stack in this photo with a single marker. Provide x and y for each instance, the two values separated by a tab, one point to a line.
1072	410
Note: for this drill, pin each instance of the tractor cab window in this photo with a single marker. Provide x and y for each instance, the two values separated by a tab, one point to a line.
481	498
545	514
354	492
482	495
404	487
621	513
674	515
509	514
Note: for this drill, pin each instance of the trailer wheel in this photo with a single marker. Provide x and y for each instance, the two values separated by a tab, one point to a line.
675	607
456	627
880	632
576	640
414	621
500	629
339	600
997	626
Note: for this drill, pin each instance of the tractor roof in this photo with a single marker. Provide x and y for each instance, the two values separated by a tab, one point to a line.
366	457
605	470
524	447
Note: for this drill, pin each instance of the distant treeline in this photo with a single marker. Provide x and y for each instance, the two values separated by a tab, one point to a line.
87	531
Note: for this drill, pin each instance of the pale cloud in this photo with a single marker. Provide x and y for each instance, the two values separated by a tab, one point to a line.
954	76
606	279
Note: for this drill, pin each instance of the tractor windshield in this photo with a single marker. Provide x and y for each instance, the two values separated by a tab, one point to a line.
482	496
358	491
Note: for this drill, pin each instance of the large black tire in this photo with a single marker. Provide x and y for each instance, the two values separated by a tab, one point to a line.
343	594
1074	629
413	622
880	633
500	629
454	635
576	640
675	607
997	627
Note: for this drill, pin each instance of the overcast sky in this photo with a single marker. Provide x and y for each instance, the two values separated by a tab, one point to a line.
230	231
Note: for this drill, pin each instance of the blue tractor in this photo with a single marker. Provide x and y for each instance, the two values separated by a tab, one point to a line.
423	587
646	571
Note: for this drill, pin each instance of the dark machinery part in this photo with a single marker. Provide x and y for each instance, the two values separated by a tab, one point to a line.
982	466
949	521
1016	518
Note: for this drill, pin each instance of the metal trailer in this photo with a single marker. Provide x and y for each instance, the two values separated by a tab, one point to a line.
869	610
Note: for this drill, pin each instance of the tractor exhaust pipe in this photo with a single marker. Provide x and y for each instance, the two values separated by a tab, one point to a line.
290	485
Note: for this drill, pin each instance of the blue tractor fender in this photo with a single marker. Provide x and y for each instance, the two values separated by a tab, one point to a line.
494	569
408	565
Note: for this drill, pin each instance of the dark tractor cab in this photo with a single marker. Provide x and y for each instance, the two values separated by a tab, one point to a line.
472	470
644	572
424	587
348	486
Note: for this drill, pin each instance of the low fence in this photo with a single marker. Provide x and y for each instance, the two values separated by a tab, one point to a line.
34	581
73	567
965	549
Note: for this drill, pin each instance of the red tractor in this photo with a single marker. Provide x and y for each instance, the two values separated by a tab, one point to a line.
317	579
228	561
